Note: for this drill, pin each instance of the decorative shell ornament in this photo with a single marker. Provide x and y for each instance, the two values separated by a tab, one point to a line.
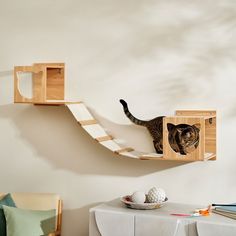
156	195
138	197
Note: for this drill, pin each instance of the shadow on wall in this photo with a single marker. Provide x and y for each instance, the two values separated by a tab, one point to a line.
55	135
74	219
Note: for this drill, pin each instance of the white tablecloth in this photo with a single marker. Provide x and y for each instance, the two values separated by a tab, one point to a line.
114	219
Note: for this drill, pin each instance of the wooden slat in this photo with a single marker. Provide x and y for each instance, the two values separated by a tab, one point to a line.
104	138
151	156
164	159
88	122
127	149
54	103
48	103
145	158
206	113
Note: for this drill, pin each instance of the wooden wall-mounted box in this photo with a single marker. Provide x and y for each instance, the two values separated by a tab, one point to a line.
48	83
206	149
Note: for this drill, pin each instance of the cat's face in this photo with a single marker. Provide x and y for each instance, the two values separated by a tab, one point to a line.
183	138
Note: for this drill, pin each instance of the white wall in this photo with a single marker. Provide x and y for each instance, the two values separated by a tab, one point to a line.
158	55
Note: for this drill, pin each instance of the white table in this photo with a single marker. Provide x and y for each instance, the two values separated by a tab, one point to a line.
114	219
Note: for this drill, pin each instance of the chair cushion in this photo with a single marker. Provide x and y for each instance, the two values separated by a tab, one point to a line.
8	201
21	222
35	201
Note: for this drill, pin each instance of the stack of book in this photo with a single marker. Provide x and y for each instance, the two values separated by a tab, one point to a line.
226	210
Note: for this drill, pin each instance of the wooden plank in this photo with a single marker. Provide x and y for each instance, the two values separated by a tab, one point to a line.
210	137
151	156
50	64
126	149
49	102
59	217
104	138
55	83
129	154
207	113
88	122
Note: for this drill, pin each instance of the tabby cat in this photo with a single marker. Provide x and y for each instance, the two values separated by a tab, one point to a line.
183	138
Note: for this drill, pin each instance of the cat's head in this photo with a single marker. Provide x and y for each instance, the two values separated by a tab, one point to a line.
183	138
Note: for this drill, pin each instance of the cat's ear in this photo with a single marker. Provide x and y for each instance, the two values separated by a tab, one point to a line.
179	130
170	127
198	126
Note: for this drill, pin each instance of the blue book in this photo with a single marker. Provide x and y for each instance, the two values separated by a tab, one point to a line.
229	209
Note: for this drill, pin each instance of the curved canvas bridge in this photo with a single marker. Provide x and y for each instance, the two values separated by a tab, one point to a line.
97	132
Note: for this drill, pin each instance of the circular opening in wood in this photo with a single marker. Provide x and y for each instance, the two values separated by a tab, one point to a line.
183	138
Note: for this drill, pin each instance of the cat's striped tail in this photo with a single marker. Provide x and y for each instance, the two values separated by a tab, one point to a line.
130	116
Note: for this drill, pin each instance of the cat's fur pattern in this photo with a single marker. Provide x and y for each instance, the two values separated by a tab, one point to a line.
182	138
154	126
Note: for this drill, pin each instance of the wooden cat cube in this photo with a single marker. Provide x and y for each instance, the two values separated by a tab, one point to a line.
206	149
47	83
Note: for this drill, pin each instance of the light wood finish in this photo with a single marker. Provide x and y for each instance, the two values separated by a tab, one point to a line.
147	158
126	149
56	233
212	156
55	83
59	221
204	113
88	122
104	138
169	153
210	136
59	218
48	82
210	128
17	95
53	103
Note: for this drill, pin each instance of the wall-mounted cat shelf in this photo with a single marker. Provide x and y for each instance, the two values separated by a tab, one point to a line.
206	149
47	83
48	89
